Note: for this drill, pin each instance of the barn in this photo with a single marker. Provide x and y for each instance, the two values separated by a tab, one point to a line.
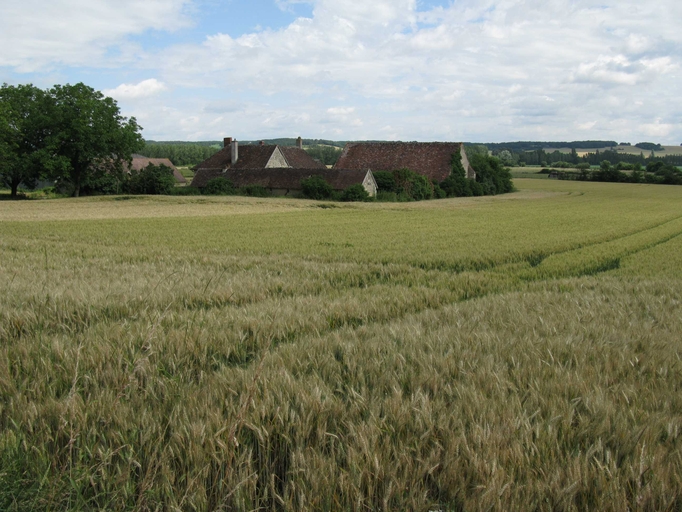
286	181
259	156
431	159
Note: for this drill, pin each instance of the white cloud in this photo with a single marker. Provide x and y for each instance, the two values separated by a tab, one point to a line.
586	126
657	128
340	111
471	69
144	89
35	34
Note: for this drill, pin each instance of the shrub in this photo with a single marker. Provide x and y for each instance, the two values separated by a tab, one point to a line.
456	186
105	183
562	165
386	197
385	181
422	188
583	166
153	179
218	187
438	192
415	186
624	166
254	191
476	188
355	193
185	191
316	187
494	177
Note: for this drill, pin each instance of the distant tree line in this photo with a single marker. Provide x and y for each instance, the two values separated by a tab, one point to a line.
180	153
542	158
328	155
71	134
656	172
534	145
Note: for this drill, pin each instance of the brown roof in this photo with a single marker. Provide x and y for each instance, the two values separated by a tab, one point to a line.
280	178
299	159
252	156
140	162
432	159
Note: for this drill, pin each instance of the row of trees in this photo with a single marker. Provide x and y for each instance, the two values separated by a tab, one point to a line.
70	133
328	155
543	158
655	173
180	154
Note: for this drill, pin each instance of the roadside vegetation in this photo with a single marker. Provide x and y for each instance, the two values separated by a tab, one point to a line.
519	351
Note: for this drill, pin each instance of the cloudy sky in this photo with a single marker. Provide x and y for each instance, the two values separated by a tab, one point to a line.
474	70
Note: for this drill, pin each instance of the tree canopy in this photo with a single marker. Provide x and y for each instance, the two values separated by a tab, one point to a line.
70	133
90	134
25	113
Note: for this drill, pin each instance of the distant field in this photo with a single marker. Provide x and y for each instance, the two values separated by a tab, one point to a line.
187	172
179	353
630	150
528	172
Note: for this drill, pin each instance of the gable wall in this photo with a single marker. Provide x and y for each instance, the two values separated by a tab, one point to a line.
277	160
470	173
370	185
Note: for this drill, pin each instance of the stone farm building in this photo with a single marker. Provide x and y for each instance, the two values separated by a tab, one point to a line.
140	162
431	159
261	156
286	181
279	169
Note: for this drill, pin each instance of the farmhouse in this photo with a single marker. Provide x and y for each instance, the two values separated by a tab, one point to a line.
140	162
279	169
431	159
260	156
286	181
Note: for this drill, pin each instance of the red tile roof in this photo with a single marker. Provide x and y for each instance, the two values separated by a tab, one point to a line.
432	159
299	159
251	156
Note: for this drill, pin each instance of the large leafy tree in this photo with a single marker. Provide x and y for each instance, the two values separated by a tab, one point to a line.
90	136
25	128
491	174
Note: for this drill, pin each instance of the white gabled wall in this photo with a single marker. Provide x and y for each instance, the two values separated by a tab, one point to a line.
277	160
370	184
470	173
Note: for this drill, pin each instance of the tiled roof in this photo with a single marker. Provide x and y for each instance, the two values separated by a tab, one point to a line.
432	159
140	162
299	159
280	178
252	156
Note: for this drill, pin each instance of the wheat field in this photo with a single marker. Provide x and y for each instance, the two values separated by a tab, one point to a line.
518	352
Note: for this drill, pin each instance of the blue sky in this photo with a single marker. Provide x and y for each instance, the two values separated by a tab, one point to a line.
469	70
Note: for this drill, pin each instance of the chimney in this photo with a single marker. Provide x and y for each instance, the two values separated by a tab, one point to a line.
227	142
299	143
235	151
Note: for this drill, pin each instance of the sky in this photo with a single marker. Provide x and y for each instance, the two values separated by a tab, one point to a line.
425	70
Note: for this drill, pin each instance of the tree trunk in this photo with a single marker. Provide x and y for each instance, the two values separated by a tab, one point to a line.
76	184
14	186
